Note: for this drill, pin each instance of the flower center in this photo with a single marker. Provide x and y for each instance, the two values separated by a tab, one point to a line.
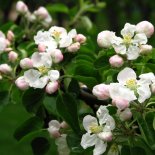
131	83
95	128
127	39
43	69
56	35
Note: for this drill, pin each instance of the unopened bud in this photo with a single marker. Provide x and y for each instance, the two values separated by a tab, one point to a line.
41	12
104	39
21	7
64	125
80	38
145	49
125	115
54	133
145	27
105	136
10	35
121	103
41	48
74	47
52	87
57	55
5	68
101	91
26	63
12	56
21	83
116	61
7	42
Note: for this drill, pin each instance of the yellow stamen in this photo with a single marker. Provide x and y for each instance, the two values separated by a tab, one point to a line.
95	128
131	83
43	69
127	39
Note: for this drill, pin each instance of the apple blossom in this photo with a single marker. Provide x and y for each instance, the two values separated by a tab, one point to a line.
41	12
41	48
129	44
5	69
80	38
21	83
62	145
98	133
26	63
74	47
145	27
21	7
52	87
145	49
12	56
101	91
104	39
116	61
3	42
121	103
10	35
125	114
53	129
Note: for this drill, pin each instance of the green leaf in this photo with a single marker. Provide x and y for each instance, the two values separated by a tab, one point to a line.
32	99
74	87
67	108
50	104
146	128
4	99
58	7
73	142
40	146
154	123
29	126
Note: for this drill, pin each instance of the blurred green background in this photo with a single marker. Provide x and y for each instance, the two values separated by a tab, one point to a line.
112	17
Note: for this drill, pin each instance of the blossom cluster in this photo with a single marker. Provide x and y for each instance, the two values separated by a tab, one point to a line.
41	14
99	130
131	45
50	44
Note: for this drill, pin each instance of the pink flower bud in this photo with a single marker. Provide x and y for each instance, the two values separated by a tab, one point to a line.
10	35
116	61
41	12
120	103
5	68
21	7
7	42
145	49
21	83
57	55
41	48
105	136
101	91
54	133
80	38
145	27
64	125
12	56
26	63
74	47
52	87
104	39
125	115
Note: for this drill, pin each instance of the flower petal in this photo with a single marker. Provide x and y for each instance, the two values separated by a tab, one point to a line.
100	147
128	30
140	39
144	93
118	91
88	121
126	74
146	78
120	49
53	75
88	140
132	52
